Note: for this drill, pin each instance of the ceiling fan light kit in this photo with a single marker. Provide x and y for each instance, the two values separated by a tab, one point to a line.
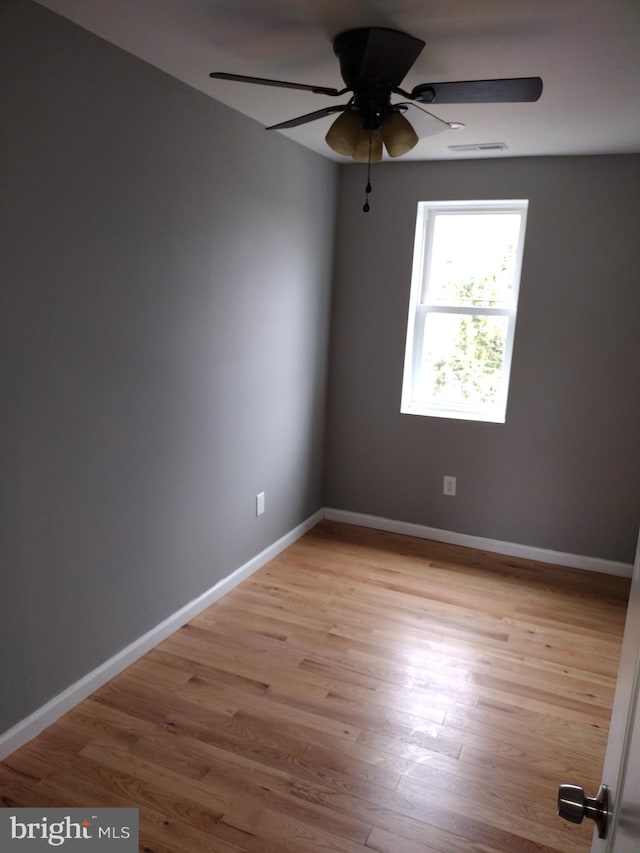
348	136
343	135
373	63
369	147
398	135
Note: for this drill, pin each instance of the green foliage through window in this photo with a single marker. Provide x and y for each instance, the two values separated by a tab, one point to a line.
475	366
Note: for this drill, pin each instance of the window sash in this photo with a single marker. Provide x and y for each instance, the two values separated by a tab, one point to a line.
489	412
434	212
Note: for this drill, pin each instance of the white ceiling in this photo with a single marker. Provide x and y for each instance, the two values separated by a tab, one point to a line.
586	51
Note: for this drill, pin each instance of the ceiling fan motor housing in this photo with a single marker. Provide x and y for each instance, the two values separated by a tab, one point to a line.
374	61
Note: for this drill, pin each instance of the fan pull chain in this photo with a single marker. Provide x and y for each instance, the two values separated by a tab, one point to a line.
367	190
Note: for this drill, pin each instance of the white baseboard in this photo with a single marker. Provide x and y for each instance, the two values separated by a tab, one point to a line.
511	549
32	725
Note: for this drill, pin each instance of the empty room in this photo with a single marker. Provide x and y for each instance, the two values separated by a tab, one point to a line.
320	469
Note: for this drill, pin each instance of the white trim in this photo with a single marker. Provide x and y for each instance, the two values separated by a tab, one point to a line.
32	725
511	549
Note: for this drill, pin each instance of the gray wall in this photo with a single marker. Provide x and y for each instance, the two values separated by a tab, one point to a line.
166	271
163	344
564	471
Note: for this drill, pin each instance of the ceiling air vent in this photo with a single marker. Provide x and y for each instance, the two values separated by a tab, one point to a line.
479	146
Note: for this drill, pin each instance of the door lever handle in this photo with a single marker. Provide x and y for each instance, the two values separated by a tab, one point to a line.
574	806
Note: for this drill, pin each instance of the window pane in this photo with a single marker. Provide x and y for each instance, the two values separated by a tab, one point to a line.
472	259
462	360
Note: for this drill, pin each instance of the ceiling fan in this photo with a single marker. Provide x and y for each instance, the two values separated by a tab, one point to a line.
373	64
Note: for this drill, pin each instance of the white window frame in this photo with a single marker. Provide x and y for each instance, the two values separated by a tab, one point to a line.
420	306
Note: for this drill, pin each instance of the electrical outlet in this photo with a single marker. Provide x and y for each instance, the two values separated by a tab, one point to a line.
449	486
260	504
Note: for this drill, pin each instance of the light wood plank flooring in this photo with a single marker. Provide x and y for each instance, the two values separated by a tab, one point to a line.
362	692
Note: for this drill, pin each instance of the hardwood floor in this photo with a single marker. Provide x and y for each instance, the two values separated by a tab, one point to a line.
362	692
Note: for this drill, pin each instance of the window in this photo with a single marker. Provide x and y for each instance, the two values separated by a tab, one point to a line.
462	309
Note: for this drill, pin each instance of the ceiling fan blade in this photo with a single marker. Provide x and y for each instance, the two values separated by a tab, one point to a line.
294	122
511	90
263	81
424	123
